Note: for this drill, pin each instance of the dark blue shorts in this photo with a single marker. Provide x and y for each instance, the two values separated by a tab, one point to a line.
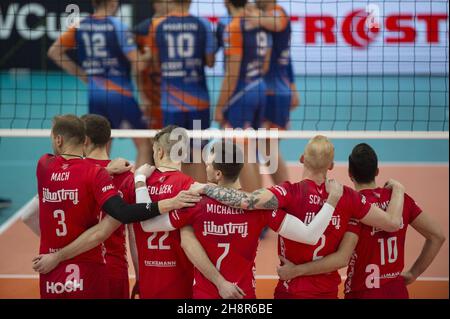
246	108
186	119
277	110
122	111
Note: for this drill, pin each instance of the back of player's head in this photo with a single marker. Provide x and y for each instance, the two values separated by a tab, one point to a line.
70	127
228	158
238	3
171	136
363	164
319	154
98	129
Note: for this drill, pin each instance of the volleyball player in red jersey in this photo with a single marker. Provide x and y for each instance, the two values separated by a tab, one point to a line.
303	200
164	270
230	236
72	192
98	136
379	275
375	257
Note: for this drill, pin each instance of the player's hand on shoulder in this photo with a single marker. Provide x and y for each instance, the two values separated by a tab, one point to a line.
394	184
118	166
252	15
334	188
229	290
146	170
43	264
197	188
186	199
287	270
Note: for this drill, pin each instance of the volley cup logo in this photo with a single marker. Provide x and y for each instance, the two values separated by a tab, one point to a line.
361	27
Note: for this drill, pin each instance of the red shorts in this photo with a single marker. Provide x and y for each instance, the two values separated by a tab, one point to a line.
395	289
80	280
119	285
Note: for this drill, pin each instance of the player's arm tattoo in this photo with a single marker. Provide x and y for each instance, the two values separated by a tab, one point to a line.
240	199
271	203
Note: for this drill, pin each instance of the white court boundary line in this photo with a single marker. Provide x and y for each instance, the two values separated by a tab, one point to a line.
216	133
262	277
9	222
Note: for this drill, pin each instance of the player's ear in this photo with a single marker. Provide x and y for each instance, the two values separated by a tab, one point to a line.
219	175
59	140
351	176
302	159
377	172
331	166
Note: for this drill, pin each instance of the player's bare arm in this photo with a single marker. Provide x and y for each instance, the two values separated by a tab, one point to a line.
266	20
295	100
29	214
434	239
91	238
391	219
58	53
118	166
210	59
139	60
259	199
134	259
329	263
266	64
118	211
229	83
197	255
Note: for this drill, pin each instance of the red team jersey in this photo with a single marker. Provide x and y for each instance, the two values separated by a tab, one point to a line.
230	237
115	245
165	272
71	193
378	260
304	200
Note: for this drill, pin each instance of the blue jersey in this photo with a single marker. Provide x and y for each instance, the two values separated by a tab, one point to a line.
251	45
280	74
181	42
102	44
